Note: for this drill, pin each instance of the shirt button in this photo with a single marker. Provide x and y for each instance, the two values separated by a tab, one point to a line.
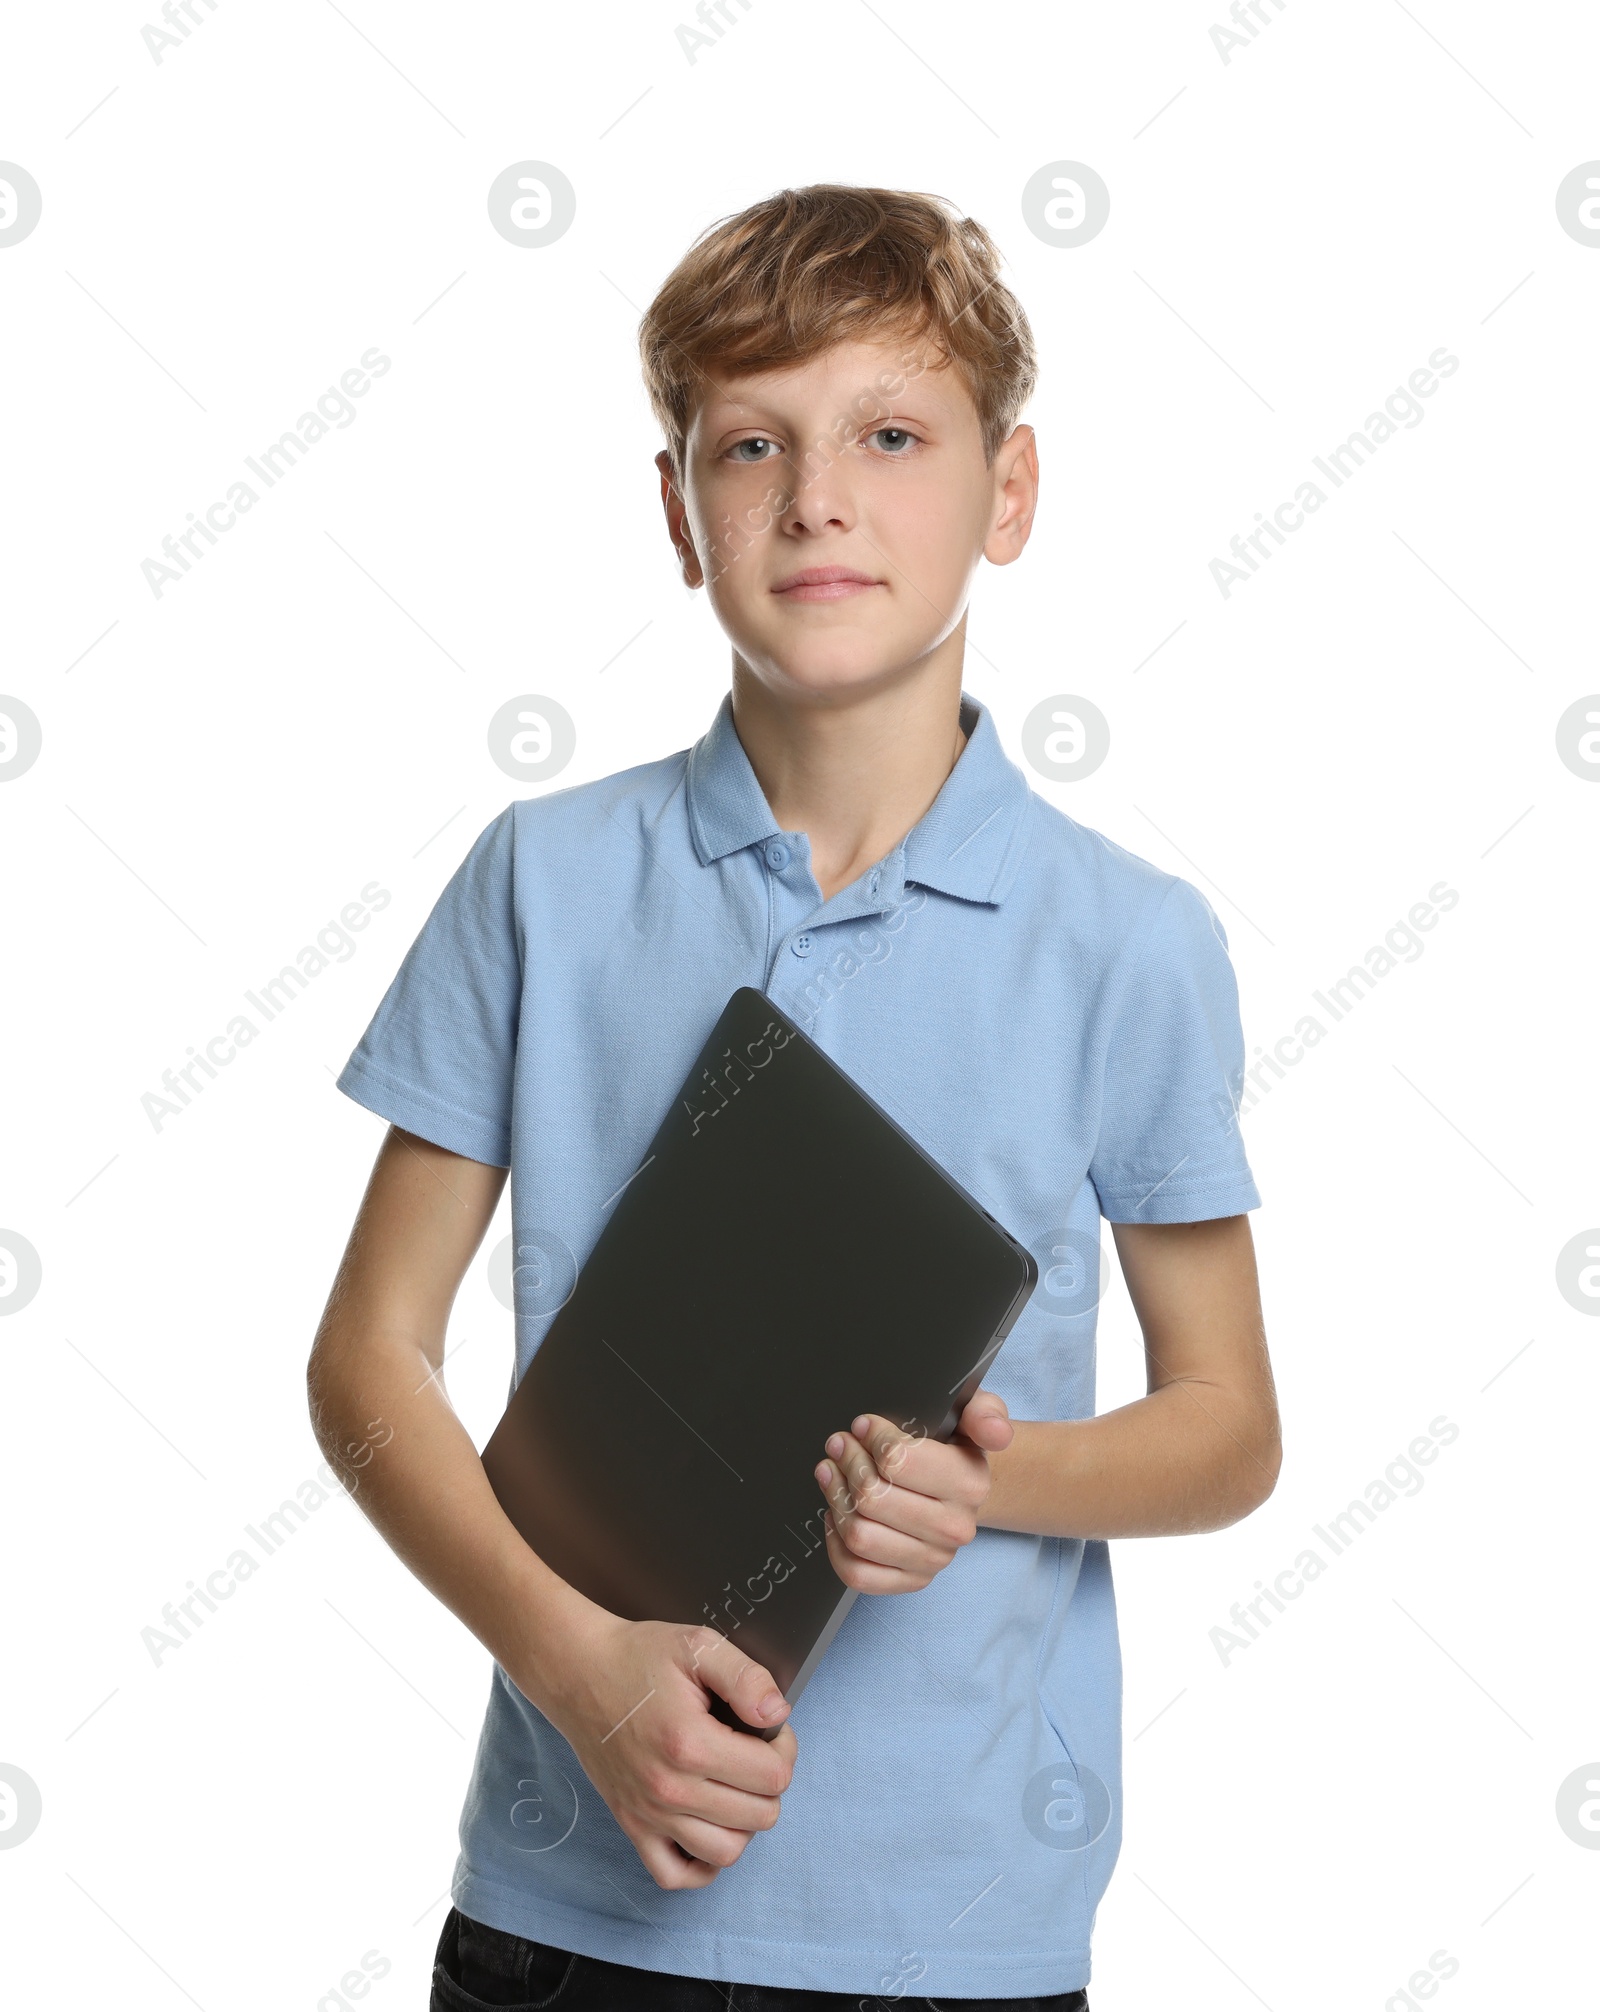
777	856
801	946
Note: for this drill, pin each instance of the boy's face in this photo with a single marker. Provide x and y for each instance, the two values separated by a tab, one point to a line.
869	459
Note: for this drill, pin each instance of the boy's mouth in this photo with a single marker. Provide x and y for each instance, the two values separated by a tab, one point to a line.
824	583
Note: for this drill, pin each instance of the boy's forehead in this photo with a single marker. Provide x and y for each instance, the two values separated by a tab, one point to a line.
881	368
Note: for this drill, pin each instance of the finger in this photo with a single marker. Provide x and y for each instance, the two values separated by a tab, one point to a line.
986	1421
883	1544
669	1865
727	1671
885	1460
831	1480
940	1476
695	1796
933	1516
866	1575
862	1493
710	1844
938	1522
896	1528
856	1464
759	1769
887	1444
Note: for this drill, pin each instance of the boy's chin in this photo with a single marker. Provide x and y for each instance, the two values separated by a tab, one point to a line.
832	674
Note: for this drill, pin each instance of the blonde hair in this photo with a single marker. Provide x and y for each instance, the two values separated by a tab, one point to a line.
788	277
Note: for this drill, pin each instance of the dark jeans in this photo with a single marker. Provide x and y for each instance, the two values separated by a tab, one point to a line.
476	1966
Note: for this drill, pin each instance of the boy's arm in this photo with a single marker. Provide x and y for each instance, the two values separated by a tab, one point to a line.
688	1790
1203	1448
1200	1451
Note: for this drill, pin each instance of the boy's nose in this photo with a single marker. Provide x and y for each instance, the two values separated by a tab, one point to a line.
811	510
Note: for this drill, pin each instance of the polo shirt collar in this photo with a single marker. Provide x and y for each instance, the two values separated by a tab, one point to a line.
967	843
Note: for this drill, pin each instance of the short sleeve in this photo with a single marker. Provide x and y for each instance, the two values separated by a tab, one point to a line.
438	1058
1169	1148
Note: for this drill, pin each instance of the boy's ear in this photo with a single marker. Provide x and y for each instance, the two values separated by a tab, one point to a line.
678	523
1016	479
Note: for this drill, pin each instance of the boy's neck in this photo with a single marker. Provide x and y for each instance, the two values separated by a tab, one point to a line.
855	775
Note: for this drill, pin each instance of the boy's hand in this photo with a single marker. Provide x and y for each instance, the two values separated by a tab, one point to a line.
901	1507
689	1792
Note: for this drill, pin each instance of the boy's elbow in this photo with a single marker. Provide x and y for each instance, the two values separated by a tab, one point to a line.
316	1393
323	1389
1258	1474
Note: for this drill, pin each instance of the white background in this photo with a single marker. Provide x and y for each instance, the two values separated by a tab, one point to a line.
1292	233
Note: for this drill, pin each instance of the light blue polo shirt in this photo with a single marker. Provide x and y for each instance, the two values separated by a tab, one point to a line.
1056	1021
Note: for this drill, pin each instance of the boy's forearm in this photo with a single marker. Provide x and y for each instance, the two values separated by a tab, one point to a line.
1180	1460
385	1424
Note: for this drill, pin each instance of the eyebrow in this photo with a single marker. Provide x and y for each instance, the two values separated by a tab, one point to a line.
893	414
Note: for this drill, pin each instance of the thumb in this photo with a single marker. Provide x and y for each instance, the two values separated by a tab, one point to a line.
986	1422
744	1685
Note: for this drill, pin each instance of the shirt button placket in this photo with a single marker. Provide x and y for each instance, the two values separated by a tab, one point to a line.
791	902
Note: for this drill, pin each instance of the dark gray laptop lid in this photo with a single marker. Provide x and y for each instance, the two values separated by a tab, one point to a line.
786	1257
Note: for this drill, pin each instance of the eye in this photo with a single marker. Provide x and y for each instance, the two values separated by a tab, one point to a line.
755	440
898	435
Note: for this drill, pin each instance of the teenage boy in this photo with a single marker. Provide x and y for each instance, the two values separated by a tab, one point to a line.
838	372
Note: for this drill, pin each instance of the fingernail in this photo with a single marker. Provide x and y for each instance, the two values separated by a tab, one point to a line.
859	1425
824	1473
835	1445
772	1704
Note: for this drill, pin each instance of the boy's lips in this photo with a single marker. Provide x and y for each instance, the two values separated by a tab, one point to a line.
824	583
